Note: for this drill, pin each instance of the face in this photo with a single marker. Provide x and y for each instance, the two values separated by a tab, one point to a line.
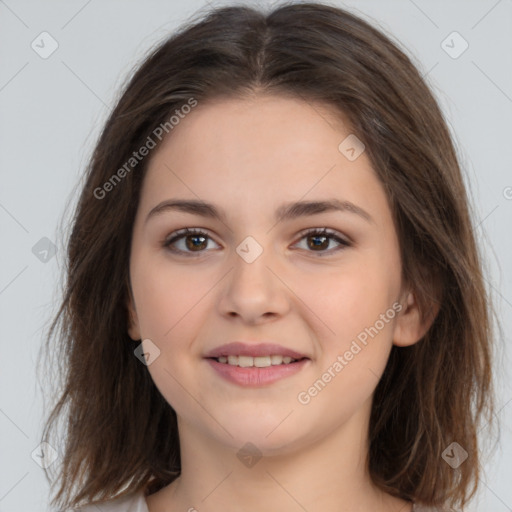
316	283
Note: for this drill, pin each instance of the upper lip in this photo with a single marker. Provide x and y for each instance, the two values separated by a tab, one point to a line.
238	348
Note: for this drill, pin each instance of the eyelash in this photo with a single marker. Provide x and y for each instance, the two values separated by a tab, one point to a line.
182	233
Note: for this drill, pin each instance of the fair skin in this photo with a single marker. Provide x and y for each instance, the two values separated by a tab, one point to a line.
248	157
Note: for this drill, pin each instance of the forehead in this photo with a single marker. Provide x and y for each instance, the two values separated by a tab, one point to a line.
262	149
247	123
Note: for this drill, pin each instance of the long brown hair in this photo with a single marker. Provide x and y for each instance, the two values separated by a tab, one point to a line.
120	433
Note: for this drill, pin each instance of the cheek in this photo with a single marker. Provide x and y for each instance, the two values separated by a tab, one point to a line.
350	298
359	309
166	295
170	305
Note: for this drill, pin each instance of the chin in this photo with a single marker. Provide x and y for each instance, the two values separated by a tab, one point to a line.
273	436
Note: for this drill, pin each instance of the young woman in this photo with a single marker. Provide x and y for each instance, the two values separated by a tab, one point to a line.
274	297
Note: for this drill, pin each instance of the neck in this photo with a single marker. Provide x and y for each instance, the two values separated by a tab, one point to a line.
329	474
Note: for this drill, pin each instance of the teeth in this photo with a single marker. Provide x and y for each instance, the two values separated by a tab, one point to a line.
258	362
245	361
262	362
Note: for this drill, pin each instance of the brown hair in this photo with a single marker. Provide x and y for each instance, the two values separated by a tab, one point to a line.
121	434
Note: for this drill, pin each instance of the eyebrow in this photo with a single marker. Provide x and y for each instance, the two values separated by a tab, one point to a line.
287	211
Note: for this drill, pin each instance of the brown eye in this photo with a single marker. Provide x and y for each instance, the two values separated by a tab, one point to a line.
187	241
194	242
318	240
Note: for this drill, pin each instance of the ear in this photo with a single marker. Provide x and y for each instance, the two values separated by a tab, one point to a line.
410	327
133	321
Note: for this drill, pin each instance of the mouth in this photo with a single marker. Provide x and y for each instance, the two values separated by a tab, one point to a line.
255	365
256	362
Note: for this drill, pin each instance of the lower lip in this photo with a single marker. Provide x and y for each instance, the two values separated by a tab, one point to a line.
253	376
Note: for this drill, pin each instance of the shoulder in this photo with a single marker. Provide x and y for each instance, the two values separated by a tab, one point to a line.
134	502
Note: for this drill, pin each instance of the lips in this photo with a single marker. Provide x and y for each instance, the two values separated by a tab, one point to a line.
255	365
238	348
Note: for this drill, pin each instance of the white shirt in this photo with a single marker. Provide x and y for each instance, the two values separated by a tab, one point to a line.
136	502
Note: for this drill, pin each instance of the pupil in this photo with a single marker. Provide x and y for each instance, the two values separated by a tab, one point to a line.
195	245
316	243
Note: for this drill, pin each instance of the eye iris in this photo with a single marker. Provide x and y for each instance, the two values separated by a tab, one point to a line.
194	245
317	243
197	242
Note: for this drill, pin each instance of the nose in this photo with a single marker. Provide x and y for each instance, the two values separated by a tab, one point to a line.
254	292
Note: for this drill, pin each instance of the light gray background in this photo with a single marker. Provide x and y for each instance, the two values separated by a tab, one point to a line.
51	111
